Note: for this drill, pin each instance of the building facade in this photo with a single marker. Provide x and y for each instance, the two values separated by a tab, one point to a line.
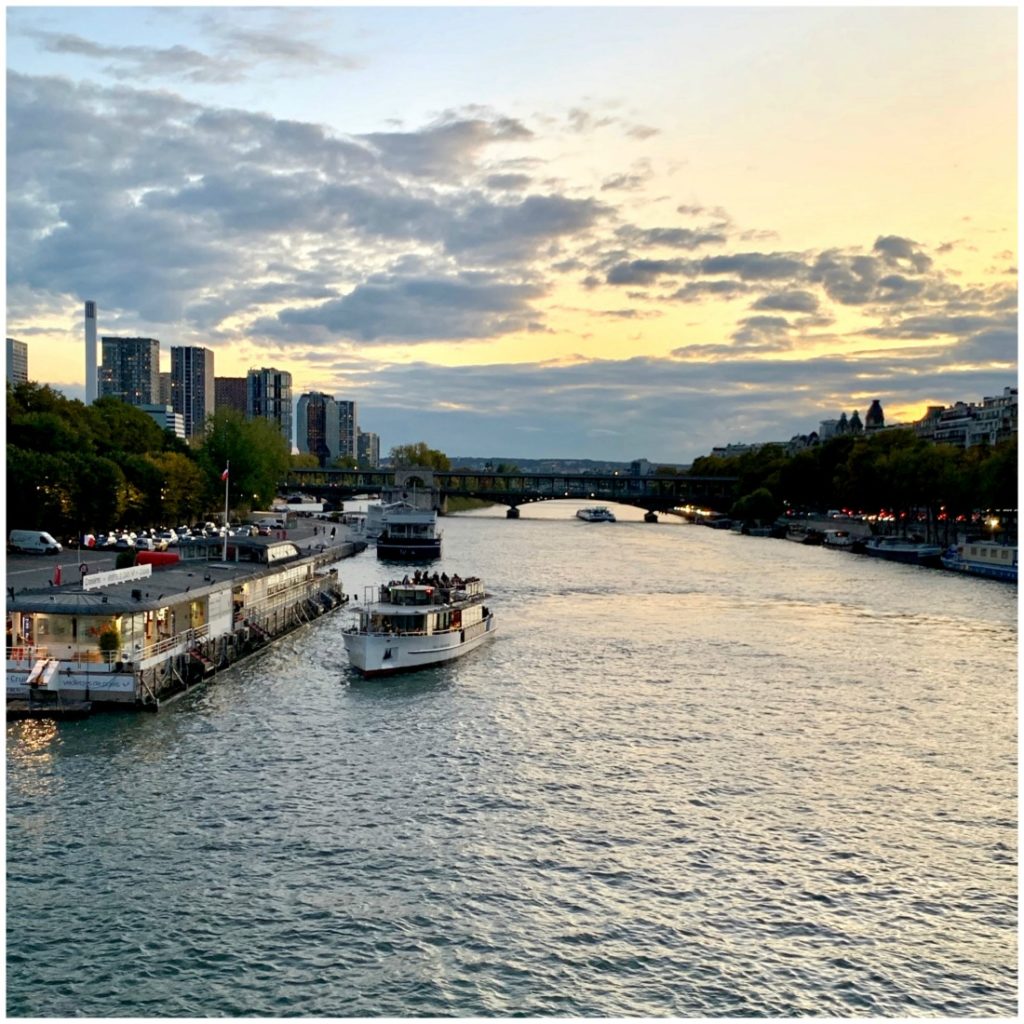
17	361
348	430
166	418
230	393
131	370
269	396
965	424
192	388
316	426
165	389
368	446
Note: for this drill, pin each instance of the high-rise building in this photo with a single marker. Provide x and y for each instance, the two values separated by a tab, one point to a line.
131	370
229	393
192	389
369	449
91	386
348	430
165	389
269	396
316	426
17	361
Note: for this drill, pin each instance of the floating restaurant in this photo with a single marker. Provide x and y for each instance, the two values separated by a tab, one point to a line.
137	636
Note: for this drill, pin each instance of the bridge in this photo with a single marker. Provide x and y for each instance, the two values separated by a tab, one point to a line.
654	493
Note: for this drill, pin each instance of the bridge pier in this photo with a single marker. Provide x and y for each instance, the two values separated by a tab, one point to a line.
650	517
512	513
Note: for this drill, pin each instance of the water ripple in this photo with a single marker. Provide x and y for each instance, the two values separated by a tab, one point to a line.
695	775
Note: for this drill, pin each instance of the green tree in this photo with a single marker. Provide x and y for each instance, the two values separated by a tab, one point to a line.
410	456
258	457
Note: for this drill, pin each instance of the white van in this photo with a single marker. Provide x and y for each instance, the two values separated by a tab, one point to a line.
37	542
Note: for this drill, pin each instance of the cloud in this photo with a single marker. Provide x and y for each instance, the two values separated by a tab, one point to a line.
512	182
445	148
669	238
788	302
645	271
898	251
389	309
763	332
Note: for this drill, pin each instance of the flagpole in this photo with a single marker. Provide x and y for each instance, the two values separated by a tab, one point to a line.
227	483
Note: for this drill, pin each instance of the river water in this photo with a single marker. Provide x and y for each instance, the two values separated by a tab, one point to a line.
695	774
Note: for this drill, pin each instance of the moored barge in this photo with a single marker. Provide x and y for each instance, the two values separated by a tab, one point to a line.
137	636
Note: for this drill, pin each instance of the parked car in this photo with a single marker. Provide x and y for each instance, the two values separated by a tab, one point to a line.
124	543
37	542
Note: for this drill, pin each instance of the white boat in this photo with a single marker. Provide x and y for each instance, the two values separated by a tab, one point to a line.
843	540
408	533
903	549
596	514
413	625
983	558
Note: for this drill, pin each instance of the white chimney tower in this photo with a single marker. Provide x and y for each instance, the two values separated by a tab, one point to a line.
91	390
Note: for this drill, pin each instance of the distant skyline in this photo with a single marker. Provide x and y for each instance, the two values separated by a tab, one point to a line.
574	232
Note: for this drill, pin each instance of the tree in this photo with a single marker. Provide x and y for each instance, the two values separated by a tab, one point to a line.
418	455
758	506
303	460
258	455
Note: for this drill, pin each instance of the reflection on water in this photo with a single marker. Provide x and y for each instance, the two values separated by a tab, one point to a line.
693	774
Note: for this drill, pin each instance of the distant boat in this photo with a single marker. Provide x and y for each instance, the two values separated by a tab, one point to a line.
415	625
596	514
409	534
842	540
903	549
983	558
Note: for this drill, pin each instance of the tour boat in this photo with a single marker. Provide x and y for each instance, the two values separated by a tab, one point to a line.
903	549
983	558
414	625
409	533
596	514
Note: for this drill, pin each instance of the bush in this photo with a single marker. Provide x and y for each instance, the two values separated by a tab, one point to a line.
125	560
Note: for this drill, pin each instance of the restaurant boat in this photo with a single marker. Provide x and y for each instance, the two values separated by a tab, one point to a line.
139	635
410	625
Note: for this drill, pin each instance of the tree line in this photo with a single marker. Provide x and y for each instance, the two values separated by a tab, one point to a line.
74	468
893	470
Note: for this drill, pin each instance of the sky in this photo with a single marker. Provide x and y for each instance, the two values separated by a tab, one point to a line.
564	232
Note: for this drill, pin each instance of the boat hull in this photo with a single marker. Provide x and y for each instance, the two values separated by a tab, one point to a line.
409	550
908	555
1008	574
381	654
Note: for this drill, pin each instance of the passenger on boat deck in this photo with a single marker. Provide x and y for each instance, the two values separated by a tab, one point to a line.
405	579
444	579
416	576
456	580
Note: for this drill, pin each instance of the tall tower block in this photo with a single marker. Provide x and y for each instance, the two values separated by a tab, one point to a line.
91	388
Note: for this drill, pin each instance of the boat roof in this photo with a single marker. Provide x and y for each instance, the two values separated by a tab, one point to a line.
168	584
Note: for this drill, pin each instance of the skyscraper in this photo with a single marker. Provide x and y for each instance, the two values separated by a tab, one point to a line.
131	370
17	361
192	390
91	392
229	393
269	396
348	429
316	426
369	449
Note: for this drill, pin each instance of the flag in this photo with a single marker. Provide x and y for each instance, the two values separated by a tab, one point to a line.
224	475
